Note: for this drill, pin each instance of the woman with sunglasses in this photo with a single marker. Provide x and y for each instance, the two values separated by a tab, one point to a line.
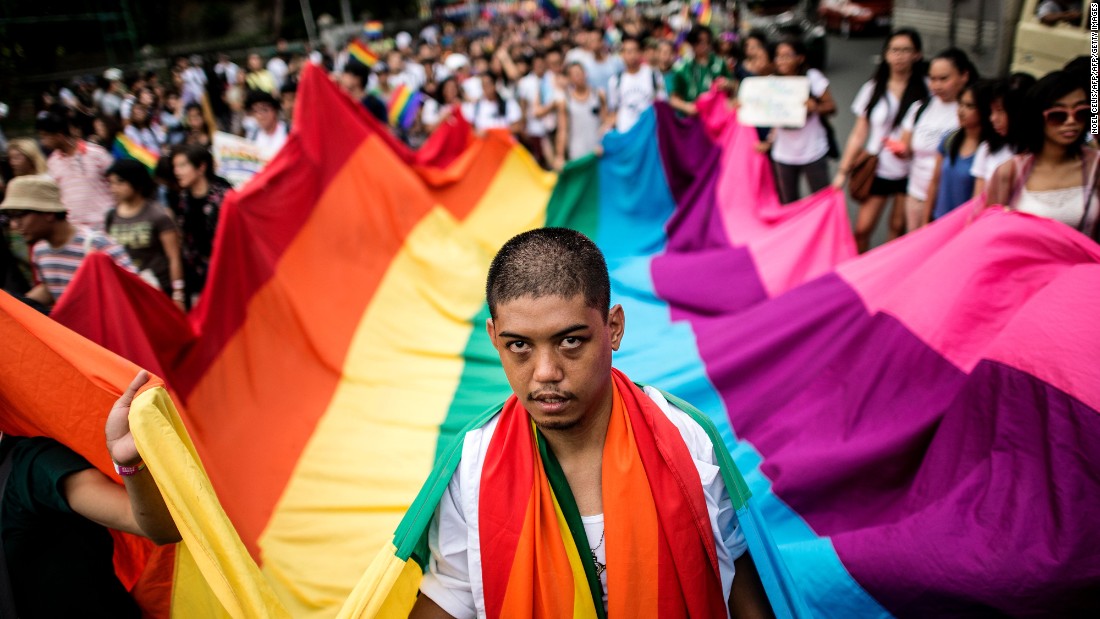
1055	176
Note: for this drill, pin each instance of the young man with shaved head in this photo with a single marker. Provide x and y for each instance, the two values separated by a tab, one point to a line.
582	477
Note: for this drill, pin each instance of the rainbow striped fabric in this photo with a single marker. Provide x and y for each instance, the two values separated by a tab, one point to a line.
362	54
125	148
372	29
403	106
937	397
702	11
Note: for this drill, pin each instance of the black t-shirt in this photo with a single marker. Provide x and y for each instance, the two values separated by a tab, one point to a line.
60	563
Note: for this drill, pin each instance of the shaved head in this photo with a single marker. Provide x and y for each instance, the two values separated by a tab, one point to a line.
549	262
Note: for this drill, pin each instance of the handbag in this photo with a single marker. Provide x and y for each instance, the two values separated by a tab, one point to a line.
862	175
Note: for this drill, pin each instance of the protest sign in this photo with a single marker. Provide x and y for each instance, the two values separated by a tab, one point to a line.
236	159
773	101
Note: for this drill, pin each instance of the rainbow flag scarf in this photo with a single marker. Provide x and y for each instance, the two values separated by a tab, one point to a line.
125	148
402	107
363	54
538	542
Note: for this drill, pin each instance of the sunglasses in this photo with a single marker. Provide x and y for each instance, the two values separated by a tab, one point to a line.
13	214
1057	117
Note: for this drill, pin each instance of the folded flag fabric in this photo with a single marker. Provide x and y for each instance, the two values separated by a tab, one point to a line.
362	54
125	148
403	106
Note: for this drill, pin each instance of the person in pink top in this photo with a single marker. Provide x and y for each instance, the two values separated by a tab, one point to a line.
78	167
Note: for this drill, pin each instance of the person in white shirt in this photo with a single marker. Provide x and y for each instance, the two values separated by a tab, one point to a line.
269	133
582	113
492	111
436	109
802	151
227	69
1005	109
879	107
632	92
927	123
529	95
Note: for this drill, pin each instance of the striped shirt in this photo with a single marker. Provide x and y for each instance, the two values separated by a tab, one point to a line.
84	189
56	266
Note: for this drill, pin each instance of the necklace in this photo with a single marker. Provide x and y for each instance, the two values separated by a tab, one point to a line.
600	567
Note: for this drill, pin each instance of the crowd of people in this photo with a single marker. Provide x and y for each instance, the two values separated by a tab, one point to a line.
929	134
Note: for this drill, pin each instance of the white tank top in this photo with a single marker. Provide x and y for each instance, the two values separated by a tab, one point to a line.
1065	205
1077	206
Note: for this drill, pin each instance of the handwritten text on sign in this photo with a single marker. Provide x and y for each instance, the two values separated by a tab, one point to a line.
773	101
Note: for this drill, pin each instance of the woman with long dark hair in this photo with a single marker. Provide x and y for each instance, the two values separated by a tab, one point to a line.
927	123
952	182
1005	107
1055	176
879	107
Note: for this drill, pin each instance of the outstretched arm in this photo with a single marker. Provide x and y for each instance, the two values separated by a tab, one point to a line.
147	507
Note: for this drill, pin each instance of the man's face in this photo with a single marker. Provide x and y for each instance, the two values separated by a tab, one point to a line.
265	115
631	55
33	226
556	353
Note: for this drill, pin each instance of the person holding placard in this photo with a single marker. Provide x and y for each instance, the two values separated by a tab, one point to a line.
801	151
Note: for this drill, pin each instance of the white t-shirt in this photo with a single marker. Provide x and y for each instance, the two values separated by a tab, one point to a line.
528	90
433	112
484	114
453	580
471	88
278	69
269	143
937	120
631	94
808	143
880	128
986	163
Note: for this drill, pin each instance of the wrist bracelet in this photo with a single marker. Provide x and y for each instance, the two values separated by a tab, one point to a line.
129	471
178	284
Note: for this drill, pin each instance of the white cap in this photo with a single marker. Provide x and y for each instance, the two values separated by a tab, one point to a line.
402	40
454	62
113	74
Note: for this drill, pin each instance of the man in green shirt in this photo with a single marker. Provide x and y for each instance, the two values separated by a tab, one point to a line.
695	77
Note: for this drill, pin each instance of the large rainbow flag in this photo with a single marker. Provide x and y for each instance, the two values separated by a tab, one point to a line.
916	425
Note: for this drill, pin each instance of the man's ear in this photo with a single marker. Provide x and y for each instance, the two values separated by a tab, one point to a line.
616	324
491	329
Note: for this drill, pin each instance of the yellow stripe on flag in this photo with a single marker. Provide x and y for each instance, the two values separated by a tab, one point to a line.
216	576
